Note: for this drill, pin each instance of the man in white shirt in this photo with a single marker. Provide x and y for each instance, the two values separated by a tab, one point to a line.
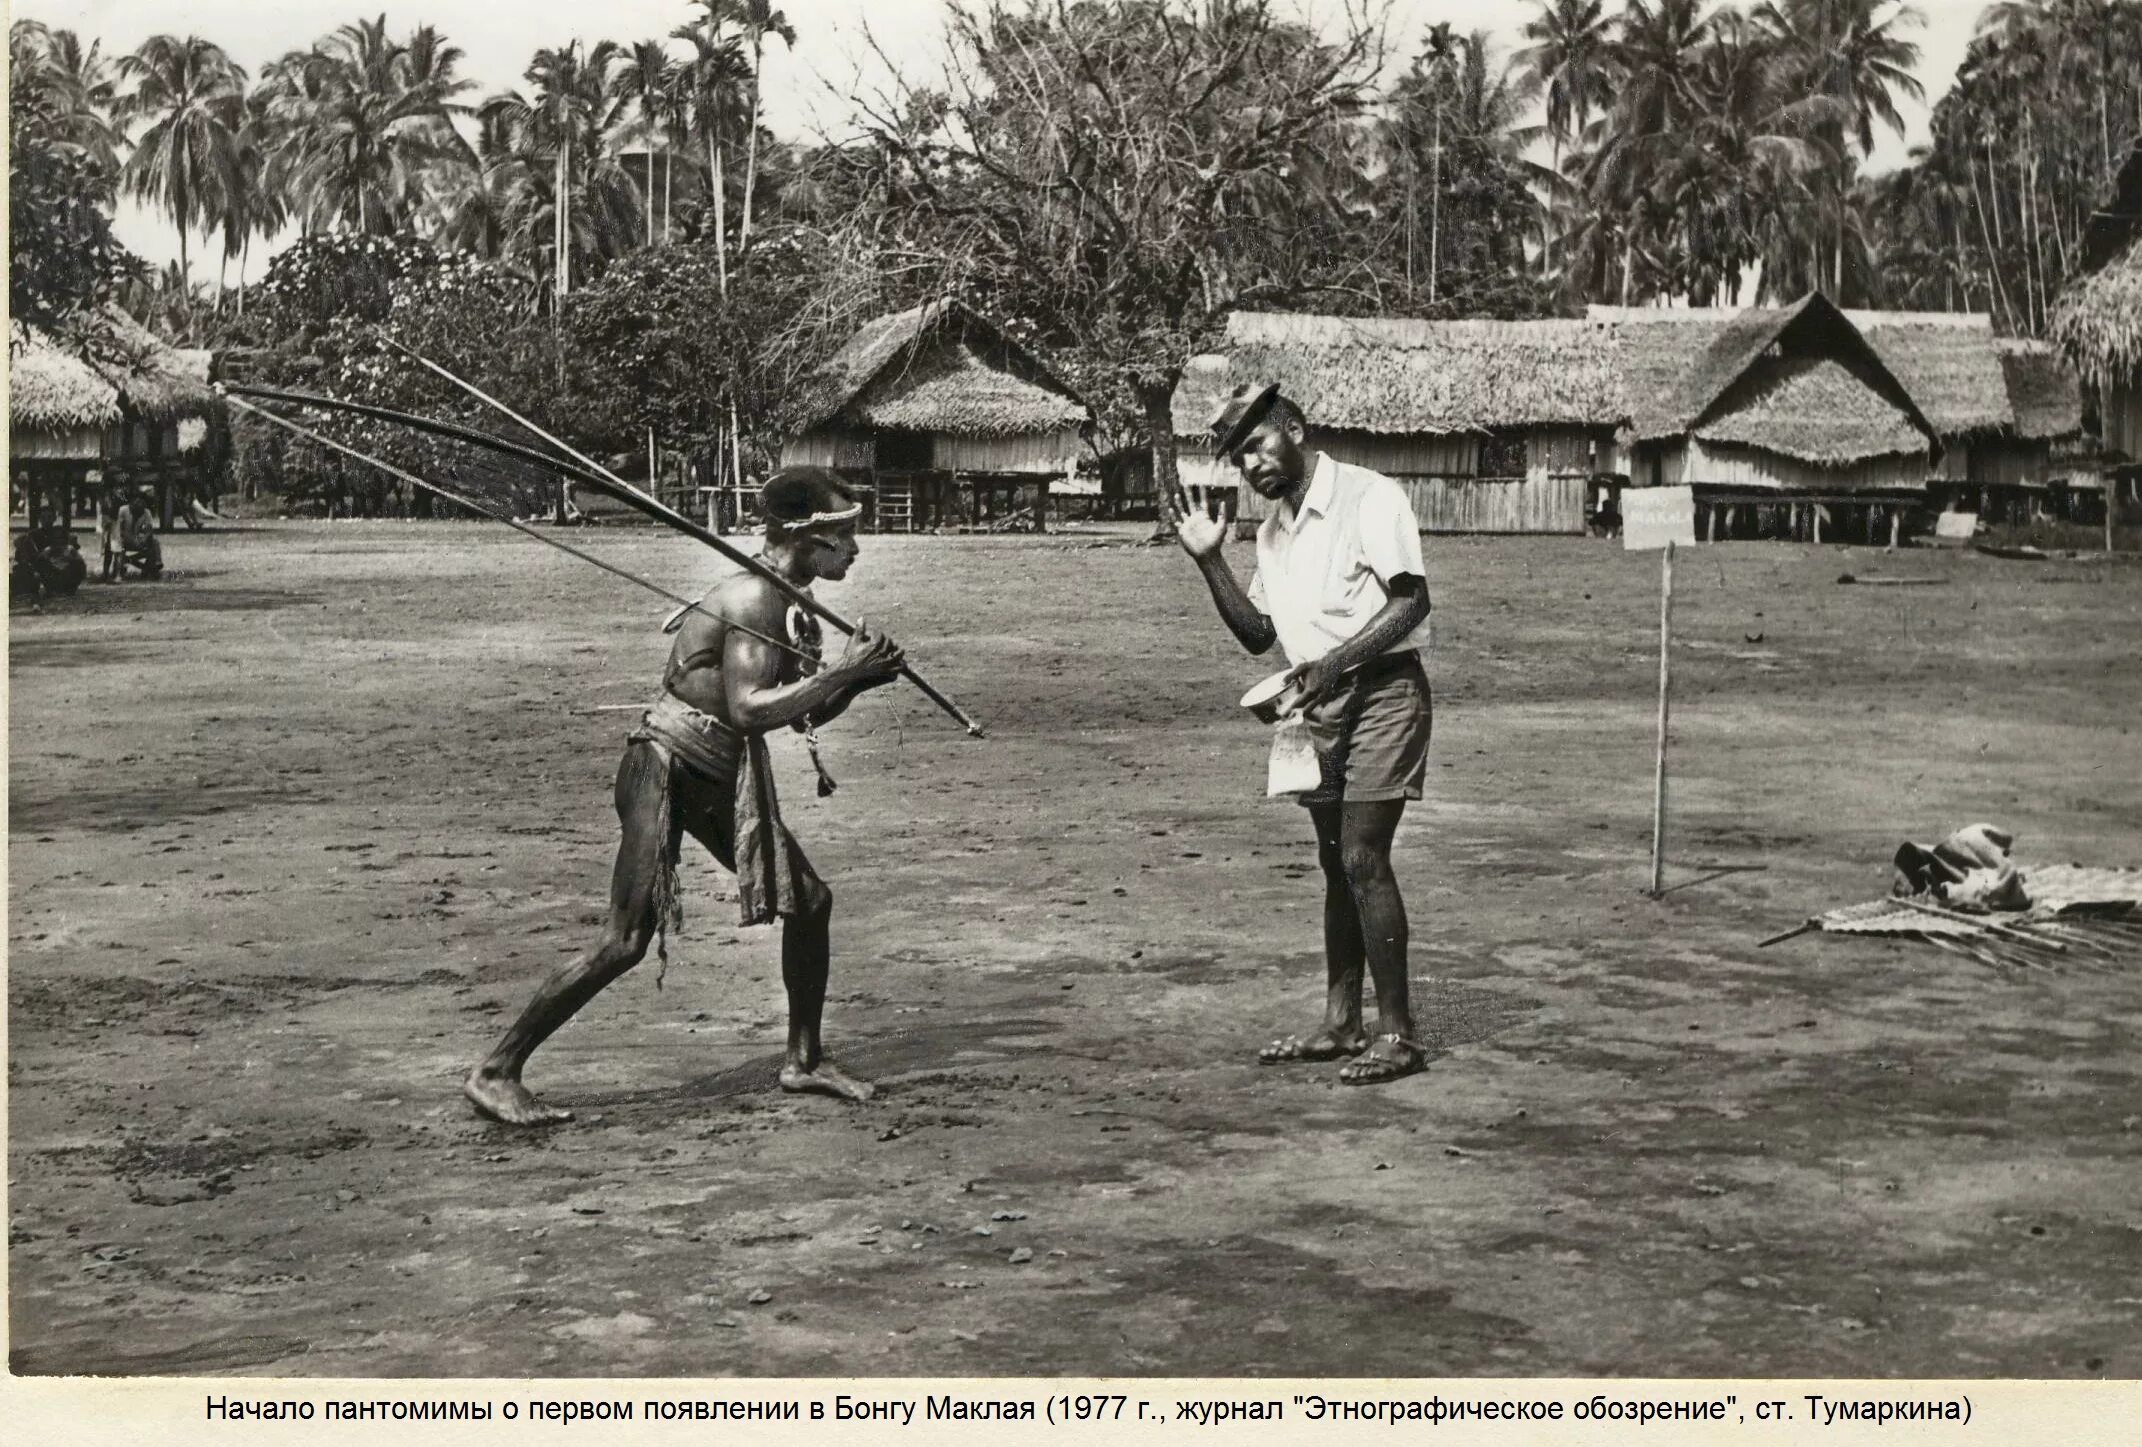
1341	587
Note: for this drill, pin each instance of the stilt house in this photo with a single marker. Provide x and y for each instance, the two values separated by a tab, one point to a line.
943	420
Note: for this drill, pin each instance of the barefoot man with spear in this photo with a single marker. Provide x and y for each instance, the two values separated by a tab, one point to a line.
697	764
1340	586
747	660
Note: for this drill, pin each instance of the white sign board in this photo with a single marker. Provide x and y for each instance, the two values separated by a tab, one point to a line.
1652	517
1953	528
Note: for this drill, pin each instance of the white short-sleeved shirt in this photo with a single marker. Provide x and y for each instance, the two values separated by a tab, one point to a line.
1322	576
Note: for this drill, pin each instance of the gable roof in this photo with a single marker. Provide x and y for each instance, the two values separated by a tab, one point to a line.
1813	408
50	389
1400	375
105	369
1950	364
919	370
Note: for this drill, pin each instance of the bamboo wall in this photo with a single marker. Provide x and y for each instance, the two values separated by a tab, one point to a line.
2121	404
1455	454
2010	461
1548	499
1757	470
86	445
1552	451
1956	462
1499	505
830	447
1037	454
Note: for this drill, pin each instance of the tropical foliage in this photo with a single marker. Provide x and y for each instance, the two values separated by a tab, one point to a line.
1103	178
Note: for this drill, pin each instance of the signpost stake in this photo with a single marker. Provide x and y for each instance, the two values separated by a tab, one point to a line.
1658	791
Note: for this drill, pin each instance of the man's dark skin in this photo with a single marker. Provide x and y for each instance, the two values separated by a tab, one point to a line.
752	686
1364	917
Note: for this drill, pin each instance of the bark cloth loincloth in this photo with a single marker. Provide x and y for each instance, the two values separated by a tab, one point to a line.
773	878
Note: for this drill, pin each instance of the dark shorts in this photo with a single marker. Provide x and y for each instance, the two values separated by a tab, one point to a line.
1382	750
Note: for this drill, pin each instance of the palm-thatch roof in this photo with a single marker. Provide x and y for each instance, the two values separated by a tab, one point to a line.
1405	376
1813	408
51	390
2042	390
1950	364
101	370
1653	349
1669	393
1945	362
156	383
2098	319
937	368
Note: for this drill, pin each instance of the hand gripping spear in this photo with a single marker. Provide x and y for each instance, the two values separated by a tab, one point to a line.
585	469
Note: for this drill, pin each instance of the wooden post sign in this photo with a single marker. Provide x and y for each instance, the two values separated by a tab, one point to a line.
1652	517
1660	517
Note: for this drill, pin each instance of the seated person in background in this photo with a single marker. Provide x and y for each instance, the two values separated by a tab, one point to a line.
48	561
131	541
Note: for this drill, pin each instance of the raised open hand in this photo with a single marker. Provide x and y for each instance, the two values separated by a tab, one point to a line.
1192	512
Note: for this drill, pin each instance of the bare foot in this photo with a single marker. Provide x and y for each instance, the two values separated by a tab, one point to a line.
1324	1045
508	1101
827	1079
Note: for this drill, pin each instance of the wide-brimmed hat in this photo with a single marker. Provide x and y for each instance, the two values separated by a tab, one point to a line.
1240	414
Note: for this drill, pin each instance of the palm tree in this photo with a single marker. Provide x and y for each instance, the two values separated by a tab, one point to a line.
760	19
253	205
78	84
645	79
191	94
1571	57
1854	55
571	118
366	125
713	77
1658	55
1739	170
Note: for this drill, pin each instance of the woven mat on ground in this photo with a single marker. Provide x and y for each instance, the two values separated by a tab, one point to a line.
2078	915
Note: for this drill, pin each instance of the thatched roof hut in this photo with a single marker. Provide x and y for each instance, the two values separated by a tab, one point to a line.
57	404
1490	426
1900	353
937	368
100	372
933	408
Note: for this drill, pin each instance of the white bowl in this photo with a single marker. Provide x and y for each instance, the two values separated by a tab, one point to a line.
1271	699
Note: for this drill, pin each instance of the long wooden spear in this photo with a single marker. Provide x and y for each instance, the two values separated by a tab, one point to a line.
577	465
518	526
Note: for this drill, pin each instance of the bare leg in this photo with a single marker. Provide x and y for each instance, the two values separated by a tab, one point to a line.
1365	833
1344	955
806	963
494	1086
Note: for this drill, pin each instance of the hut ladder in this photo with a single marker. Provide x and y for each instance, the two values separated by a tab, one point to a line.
896	505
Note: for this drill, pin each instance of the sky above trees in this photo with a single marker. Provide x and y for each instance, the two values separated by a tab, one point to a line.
805	91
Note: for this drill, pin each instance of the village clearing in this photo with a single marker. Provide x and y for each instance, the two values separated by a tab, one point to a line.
293	834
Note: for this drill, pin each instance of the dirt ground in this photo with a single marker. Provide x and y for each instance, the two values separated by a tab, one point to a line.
292	835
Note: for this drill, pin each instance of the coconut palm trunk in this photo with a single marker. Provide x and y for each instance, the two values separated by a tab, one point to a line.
751	144
563	219
721	220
